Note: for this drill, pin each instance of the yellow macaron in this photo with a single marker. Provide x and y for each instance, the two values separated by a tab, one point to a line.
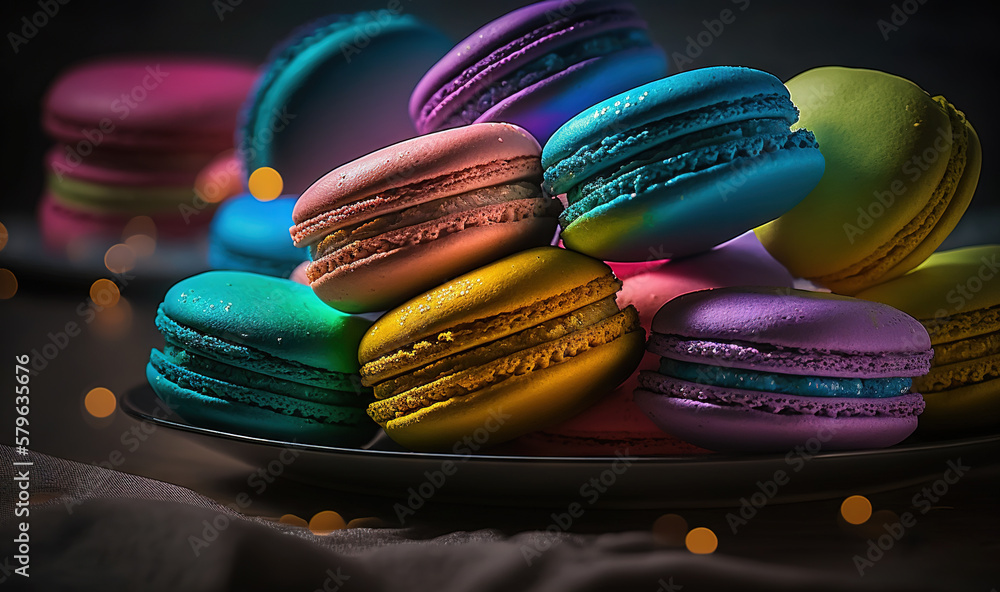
901	169
501	351
956	295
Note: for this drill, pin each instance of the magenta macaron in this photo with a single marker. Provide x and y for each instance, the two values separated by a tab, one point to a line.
768	369
133	133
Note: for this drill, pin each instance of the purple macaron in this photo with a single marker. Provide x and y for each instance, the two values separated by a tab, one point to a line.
538	66
769	369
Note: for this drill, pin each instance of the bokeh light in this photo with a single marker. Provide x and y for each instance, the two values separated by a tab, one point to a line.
325	522
100	402
293	520
3	236
114	322
266	184
856	509
670	530
119	258
104	292
139	225
701	541
8	284
367	522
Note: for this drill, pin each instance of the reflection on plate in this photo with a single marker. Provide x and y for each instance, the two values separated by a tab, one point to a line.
172	259
714	480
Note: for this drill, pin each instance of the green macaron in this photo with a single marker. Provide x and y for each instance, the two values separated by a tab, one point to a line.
261	356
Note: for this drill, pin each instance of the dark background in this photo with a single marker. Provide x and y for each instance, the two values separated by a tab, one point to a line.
947	48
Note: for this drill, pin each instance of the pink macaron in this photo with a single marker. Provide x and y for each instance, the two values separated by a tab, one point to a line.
133	134
401	220
615	422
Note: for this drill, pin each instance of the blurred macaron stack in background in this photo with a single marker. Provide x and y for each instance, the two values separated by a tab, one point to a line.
334	90
133	134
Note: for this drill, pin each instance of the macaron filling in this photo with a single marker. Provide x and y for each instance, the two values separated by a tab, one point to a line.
595	157
643	175
474	334
595	36
888	255
907	405
519	363
789	384
428	221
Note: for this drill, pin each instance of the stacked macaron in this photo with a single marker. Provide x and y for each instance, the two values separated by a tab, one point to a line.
261	356
133	135
491	333
401	220
956	295
766	369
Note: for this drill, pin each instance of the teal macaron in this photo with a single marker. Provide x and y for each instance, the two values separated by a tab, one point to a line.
679	165
261	356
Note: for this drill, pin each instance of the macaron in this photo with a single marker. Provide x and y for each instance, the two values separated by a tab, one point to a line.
538	66
768	369
252	235
902	167
679	165
401	220
334	90
615	423
956	295
133	134
260	356
507	349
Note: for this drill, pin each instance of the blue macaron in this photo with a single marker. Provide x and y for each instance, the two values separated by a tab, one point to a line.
252	235
261	356
334	90
679	165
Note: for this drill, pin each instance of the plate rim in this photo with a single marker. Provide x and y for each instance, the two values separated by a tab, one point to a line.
130	407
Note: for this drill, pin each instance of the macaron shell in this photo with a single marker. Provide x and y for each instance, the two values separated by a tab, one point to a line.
514	282
671	96
740	430
869	125
153	102
301	101
389	279
520	404
693	212
792	319
930	291
252	235
446	154
543	107
271	315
